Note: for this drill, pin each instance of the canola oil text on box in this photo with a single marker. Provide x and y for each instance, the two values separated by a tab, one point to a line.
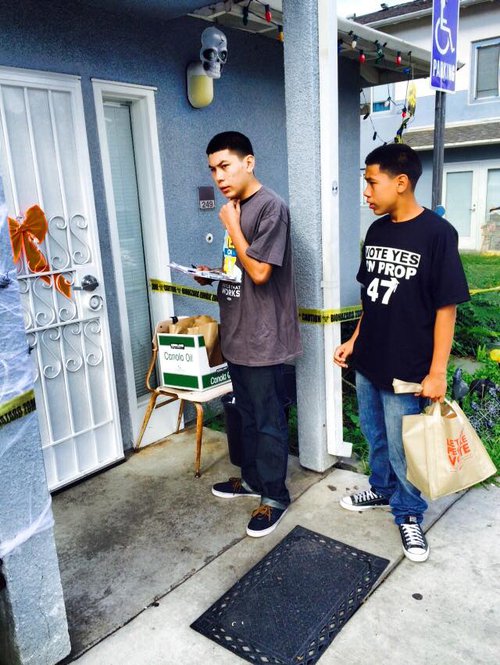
184	363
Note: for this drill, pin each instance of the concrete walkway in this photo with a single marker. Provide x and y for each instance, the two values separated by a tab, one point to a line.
442	612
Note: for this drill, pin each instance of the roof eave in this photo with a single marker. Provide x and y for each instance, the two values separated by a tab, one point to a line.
387	71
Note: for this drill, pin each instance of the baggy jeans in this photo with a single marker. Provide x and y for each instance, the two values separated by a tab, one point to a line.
260	399
381	415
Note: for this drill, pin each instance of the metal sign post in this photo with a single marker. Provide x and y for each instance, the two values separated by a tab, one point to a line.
445	15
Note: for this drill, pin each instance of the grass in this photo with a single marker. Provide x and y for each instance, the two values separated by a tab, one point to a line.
478	320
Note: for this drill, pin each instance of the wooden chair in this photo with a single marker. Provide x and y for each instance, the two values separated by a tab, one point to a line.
198	398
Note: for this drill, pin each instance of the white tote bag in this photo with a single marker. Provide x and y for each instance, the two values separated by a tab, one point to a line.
444	454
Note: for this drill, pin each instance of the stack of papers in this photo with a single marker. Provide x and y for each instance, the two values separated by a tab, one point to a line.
214	273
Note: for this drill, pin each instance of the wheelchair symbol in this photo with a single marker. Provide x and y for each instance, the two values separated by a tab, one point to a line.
442	33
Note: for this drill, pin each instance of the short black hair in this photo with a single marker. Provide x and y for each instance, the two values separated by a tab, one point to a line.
397	158
234	141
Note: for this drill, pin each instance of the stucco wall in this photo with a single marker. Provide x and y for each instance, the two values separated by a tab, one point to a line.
67	38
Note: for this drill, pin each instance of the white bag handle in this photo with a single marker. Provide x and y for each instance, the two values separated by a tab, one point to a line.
436	410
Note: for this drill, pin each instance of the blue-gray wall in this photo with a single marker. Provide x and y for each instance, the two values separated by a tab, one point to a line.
65	37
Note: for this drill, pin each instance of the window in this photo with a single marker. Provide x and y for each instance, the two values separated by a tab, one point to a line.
377	99
487	68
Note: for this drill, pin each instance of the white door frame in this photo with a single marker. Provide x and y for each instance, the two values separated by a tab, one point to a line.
149	180
479	183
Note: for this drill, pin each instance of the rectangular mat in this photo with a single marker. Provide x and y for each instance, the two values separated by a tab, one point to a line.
289	607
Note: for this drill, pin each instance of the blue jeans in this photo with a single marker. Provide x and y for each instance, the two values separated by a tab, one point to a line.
381	415
260	399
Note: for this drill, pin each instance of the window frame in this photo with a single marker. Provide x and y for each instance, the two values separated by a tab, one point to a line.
474	99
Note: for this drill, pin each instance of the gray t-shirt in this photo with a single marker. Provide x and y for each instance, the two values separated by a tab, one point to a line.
259	324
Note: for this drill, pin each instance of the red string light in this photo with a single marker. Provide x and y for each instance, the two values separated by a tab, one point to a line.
398	58
269	16
362	57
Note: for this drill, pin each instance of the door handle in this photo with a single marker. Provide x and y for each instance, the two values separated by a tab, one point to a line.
89	283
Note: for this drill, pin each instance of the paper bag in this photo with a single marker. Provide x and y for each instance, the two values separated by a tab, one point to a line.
443	452
210	332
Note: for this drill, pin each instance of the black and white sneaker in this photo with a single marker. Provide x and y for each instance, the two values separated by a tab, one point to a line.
415	546
364	500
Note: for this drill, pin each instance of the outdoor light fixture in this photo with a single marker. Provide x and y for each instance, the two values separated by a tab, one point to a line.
201	75
200	87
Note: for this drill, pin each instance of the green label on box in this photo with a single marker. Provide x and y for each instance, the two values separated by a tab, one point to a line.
183	340
215	378
180	380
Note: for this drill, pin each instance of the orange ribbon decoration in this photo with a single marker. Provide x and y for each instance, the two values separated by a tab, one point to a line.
25	236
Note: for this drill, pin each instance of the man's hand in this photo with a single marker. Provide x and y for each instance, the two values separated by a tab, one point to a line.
434	387
343	352
202	280
230	215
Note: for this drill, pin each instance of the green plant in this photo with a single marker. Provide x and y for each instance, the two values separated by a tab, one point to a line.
478	320
484	413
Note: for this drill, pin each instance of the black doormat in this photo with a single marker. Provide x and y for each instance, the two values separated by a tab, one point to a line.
288	608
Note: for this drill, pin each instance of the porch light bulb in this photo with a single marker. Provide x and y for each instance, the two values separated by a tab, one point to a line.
200	87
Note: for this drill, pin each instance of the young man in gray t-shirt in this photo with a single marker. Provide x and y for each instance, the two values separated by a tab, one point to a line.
259	325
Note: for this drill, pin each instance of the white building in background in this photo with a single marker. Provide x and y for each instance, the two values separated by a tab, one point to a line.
471	177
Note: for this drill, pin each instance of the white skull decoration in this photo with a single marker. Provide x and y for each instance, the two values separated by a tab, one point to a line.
213	52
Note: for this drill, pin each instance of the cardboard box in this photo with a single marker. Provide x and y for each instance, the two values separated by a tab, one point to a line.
184	363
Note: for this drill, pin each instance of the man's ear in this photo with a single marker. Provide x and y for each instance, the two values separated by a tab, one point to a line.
250	163
403	183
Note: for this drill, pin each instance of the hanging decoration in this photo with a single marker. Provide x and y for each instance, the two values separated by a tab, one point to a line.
410	105
26	234
406	108
246	10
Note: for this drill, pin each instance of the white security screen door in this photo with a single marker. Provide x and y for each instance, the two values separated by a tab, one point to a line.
44	161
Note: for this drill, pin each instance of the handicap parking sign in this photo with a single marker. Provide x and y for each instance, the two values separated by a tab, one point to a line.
444	44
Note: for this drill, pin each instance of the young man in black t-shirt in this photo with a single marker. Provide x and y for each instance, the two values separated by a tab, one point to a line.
259	325
412	279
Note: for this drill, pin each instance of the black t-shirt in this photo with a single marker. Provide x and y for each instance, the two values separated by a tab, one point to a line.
408	271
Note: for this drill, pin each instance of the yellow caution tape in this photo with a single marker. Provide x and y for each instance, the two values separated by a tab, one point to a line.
180	290
316	316
474	292
17	407
321	316
325	316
